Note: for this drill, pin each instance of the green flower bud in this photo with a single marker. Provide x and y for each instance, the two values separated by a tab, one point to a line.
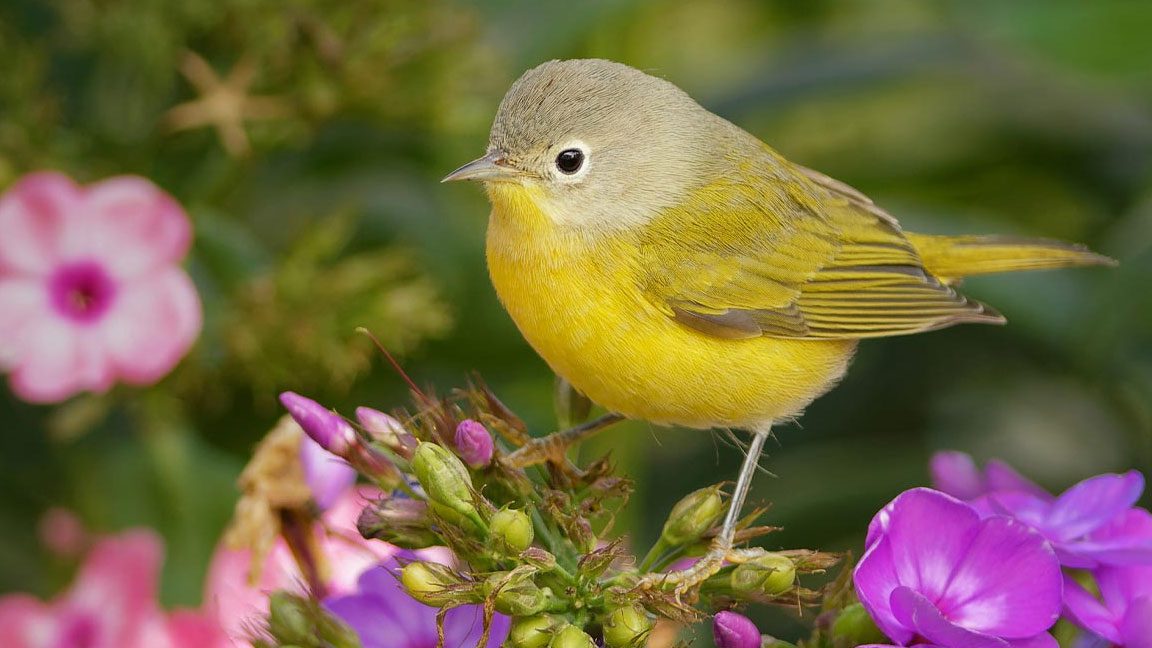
444	478
511	531
518	596
570	636
627	627
693	516
771	574
530	632
403	522
428	582
289	619
856	627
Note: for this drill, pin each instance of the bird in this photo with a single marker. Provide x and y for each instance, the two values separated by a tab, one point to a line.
673	268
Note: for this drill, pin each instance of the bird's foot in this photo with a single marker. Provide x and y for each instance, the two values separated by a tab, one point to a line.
554	447
685	582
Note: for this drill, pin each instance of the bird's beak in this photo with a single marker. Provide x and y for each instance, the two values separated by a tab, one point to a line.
488	168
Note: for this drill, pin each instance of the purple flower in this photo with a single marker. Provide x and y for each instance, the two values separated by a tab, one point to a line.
326	428
1074	521
732	630
936	574
956	474
474	443
384	616
327	475
1123	613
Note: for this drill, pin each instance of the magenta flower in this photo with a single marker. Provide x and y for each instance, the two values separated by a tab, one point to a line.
91	291
1073	521
956	474
732	630
384	616
474	443
111	604
1123	613
935	574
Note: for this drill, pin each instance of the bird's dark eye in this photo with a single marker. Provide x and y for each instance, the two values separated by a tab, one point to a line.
570	160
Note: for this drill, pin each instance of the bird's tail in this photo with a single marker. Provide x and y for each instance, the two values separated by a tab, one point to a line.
950	258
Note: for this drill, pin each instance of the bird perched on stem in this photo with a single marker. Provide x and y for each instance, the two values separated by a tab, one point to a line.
674	268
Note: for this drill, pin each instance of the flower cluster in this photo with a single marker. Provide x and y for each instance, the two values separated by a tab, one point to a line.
992	559
533	562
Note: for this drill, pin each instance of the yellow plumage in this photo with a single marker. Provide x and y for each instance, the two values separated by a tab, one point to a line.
709	318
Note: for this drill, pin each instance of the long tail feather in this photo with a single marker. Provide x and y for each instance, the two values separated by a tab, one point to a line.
950	258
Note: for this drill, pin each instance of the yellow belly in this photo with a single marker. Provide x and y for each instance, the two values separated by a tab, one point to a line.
577	302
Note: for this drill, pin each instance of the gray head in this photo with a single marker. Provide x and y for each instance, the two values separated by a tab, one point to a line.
601	143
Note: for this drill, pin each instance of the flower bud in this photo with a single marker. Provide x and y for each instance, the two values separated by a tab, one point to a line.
538	558
387	431
445	480
326	428
288	619
428	582
403	522
771	574
855	627
511	531
474	443
570	636
518	597
627	627
530	632
693	516
732	630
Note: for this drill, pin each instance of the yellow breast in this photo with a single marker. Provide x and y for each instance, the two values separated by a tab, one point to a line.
577	301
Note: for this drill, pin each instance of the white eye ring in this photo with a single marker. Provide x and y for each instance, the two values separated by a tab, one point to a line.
573	151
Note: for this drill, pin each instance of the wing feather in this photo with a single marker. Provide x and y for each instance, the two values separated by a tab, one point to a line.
798	256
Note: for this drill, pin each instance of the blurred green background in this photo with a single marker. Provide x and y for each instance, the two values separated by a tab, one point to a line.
321	211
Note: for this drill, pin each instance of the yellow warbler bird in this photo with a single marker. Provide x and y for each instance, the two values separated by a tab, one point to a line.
673	268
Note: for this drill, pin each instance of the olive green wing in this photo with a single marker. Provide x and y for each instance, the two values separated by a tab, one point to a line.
794	255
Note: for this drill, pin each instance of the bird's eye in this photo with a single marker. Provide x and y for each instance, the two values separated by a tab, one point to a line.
569	161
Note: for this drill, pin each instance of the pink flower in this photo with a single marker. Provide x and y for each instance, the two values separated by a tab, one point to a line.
90	287
241	606
111	604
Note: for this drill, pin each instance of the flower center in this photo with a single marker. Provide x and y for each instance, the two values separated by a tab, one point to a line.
79	632
82	291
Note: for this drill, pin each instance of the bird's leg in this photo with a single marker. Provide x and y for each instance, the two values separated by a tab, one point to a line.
721	549
552	448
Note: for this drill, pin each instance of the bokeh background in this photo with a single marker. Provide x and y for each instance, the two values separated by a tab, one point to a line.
312	182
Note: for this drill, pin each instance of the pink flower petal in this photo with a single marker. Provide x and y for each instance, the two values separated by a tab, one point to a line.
34	214
152	325
1086	611
984	596
1094	502
27	623
131	227
915	611
23	307
116	587
60	360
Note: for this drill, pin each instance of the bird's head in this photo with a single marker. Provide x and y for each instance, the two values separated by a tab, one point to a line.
596	144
